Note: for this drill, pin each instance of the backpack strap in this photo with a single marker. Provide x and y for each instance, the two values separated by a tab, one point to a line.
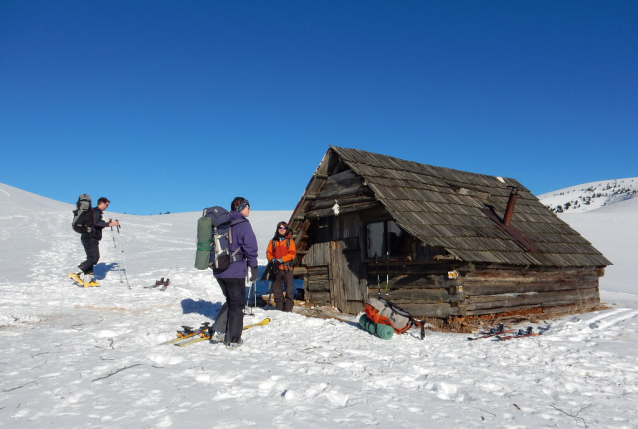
90	221
235	256
230	229
274	242
289	264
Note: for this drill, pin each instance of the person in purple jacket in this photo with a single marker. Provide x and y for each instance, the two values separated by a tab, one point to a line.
230	319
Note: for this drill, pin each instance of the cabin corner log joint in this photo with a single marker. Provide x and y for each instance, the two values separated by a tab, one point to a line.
436	241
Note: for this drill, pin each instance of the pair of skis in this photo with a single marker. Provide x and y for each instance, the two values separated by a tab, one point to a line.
188	332
522	333
161	282
499	331
493	332
203	333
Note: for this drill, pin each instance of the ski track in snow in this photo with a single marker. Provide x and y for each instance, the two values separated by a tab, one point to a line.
89	358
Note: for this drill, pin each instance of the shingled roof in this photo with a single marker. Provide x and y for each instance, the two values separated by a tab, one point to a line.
444	207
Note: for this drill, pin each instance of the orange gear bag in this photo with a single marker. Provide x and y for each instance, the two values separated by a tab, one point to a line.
382	311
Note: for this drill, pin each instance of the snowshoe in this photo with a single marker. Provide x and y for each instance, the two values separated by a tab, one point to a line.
76	278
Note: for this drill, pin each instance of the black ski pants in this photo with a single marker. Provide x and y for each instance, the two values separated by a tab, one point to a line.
92	249
284	278
230	318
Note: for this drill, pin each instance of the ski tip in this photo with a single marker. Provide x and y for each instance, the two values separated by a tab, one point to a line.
262	323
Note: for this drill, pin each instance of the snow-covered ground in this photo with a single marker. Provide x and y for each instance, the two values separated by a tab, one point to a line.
83	358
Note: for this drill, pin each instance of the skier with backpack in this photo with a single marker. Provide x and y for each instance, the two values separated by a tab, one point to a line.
88	222
281	254
227	244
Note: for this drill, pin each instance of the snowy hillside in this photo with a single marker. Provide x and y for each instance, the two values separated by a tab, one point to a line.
613	230
590	196
89	358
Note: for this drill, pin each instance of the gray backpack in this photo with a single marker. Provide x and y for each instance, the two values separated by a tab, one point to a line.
82	219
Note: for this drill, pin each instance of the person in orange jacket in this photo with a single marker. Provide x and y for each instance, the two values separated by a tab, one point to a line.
281	253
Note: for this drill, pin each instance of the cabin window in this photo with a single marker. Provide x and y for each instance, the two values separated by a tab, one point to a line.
386	236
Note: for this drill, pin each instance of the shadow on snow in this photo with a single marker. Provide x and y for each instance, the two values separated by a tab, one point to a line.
101	270
205	308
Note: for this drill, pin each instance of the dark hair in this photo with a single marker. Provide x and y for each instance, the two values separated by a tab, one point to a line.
280	224
102	200
239	204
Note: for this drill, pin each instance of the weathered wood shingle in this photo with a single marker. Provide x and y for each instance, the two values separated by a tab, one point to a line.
443	207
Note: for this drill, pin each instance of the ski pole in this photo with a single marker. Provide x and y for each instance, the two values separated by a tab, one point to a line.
119	269
255	293
113	237
376	261
123	258
387	273
269	271
248	302
247	296
269	293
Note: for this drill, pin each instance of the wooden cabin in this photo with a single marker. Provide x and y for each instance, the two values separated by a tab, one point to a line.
451	243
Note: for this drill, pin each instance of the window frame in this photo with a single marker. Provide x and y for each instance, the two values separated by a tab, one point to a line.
386	239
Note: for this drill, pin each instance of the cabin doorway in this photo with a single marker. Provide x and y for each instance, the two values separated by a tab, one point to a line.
347	280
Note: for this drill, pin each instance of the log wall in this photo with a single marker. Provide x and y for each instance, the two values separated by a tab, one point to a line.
494	291
425	290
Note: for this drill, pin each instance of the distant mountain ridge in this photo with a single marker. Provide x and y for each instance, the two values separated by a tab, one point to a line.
590	196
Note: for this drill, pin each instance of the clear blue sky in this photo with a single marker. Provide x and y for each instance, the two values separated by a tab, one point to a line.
179	105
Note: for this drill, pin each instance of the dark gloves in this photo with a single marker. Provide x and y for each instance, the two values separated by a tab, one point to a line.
254	272
275	268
